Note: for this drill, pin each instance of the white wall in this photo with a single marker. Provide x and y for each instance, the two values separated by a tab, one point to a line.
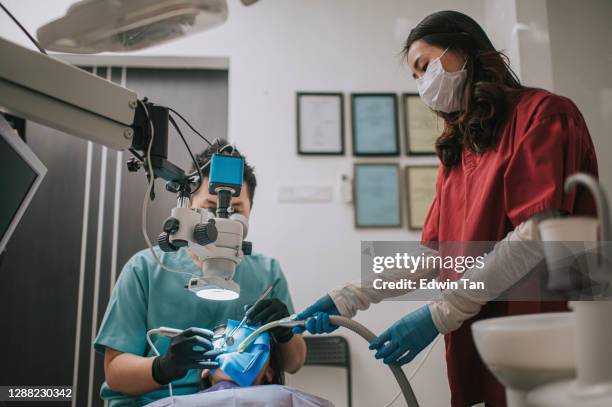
532	32
276	48
564	46
500	24
581	49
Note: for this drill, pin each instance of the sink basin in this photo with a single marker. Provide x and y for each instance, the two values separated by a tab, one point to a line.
526	351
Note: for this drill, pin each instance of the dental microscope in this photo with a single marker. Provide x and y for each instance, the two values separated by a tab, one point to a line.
216	238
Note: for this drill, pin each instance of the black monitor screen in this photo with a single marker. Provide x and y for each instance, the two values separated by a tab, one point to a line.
16	179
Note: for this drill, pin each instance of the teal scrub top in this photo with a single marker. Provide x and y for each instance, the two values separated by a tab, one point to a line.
147	297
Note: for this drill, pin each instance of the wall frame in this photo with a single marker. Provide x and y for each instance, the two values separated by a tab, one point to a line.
374	125
320	123
420	184
420	126
377	195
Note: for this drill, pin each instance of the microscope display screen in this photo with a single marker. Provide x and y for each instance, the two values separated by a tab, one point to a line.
16	179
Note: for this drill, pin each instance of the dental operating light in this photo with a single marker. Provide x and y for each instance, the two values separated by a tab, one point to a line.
93	26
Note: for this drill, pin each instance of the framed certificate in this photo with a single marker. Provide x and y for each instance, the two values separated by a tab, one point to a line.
374	124
377	195
320	123
421	190
420	125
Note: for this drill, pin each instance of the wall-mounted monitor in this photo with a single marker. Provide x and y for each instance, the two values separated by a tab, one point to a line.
21	172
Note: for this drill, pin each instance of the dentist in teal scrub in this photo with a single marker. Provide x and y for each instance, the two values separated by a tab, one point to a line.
147	297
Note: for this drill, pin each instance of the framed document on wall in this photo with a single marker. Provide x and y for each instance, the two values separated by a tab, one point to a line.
420	125
420	191
377	195
320	123
374	124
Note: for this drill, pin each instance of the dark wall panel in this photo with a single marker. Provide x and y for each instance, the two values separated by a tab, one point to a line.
40	271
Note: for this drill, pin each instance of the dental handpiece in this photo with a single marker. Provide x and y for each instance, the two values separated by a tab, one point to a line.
165	331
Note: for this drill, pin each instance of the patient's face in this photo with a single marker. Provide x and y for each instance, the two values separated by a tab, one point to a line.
266	375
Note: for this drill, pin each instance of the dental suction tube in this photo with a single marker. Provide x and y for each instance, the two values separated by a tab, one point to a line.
369	336
354	326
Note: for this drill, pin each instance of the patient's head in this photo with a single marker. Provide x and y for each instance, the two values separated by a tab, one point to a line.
271	371
267	375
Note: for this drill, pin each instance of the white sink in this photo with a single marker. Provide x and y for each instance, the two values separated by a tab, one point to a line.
526	351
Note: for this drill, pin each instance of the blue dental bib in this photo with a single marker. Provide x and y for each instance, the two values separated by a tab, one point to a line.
243	367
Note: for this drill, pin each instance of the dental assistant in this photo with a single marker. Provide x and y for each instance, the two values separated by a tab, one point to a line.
505	152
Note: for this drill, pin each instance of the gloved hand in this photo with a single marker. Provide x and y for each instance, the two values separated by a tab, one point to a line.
410	334
317	317
270	310
191	349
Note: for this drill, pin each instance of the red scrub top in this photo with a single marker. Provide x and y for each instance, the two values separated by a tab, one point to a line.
485	196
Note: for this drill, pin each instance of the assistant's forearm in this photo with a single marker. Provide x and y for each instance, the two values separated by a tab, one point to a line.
510	260
358	296
293	354
128	373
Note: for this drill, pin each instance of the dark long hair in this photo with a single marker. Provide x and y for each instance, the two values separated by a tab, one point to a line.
488	92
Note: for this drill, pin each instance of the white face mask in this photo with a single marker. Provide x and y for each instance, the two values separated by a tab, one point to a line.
439	89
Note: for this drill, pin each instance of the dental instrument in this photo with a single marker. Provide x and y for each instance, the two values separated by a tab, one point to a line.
229	338
165	331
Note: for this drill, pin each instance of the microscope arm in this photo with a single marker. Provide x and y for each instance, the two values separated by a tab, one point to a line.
56	94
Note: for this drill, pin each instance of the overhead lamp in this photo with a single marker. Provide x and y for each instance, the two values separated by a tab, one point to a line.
93	26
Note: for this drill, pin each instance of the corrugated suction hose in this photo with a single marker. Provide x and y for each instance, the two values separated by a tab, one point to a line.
369	336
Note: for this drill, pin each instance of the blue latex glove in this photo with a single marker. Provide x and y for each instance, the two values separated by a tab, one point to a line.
410	334
317	317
